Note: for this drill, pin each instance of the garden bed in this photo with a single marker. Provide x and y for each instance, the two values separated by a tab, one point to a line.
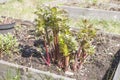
95	4
97	67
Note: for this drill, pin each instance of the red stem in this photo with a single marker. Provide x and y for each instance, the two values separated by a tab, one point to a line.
46	61
78	54
84	57
75	63
48	57
56	45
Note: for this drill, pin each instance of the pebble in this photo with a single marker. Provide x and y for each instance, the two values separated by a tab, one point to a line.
110	53
118	45
69	73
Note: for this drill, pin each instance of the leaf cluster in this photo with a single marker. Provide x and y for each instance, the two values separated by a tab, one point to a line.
52	22
86	35
7	43
51	18
67	44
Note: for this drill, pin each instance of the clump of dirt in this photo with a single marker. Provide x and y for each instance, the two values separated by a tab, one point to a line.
94	68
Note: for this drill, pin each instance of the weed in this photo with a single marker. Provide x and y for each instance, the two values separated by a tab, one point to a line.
8	43
10	76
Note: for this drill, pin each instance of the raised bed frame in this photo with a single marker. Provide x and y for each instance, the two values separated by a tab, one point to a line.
76	12
35	74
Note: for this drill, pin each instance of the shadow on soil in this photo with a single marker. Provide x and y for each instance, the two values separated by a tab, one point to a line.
28	51
110	72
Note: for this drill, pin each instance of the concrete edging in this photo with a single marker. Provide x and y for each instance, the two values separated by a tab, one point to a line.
76	12
37	72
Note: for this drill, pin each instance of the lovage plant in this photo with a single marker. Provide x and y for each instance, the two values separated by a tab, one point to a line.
60	45
85	37
50	22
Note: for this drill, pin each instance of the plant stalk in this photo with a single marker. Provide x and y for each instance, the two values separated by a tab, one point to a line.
48	57
66	62
56	45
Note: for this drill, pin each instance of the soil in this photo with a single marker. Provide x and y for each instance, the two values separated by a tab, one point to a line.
102	64
111	6
99	66
115	1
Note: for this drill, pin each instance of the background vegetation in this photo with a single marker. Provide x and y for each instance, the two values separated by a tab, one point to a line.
23	9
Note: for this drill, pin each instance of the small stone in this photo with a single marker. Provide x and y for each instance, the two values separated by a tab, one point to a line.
118	45
59	69
69	73
82	74
110	53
